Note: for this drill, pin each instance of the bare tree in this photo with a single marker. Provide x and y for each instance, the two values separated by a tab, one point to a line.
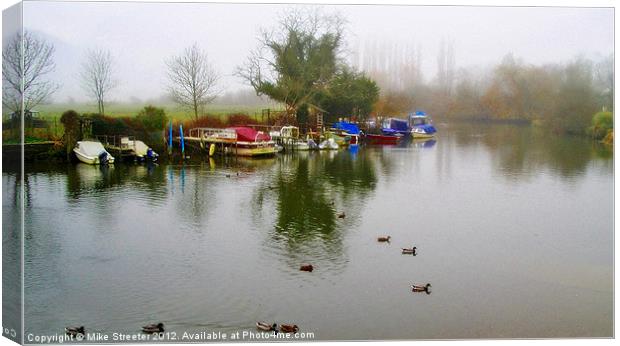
446	67
97	76
192	79
26	59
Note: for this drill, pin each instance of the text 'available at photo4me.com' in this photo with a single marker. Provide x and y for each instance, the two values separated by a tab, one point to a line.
198	337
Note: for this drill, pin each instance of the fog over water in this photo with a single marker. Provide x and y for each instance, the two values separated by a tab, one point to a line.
141	36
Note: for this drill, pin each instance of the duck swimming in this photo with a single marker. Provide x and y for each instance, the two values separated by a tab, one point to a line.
411	251
426	288
74	331
341	215
266	327
384	239
289	328
153	328
306	268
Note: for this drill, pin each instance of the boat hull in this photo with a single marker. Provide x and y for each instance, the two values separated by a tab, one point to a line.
382	139
301	146
420	135
251	149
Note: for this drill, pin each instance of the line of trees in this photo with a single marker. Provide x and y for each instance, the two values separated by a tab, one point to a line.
27	61
563	97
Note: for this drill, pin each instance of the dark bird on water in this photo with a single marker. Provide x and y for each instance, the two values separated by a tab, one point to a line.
411	251
306	267
266	326
426	288
74	331
289	328
384	239
153	328
341	215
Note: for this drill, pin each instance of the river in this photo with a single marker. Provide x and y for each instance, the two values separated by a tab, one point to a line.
513	229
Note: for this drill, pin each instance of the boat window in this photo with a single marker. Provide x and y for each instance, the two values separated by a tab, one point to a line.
418	121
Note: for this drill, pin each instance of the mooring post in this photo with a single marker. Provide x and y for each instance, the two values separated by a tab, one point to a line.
182	141
170	139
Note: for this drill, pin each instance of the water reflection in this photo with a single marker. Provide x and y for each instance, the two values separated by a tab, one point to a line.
309	189
222	229
11	253
424	143
84	180
524	151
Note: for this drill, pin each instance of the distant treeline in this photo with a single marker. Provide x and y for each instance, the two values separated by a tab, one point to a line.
563	97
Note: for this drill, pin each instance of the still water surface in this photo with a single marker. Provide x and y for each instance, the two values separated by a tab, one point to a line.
514	231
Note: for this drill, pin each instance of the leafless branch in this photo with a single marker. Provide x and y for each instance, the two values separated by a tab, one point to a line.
192	79
25	62
97	76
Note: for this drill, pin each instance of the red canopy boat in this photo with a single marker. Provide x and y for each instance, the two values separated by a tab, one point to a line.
251	142
248	134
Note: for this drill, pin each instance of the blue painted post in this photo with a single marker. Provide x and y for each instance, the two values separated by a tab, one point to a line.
182	141
170	138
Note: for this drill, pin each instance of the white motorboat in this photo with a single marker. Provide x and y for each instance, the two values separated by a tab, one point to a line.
329	144
140	149
305	145
92	152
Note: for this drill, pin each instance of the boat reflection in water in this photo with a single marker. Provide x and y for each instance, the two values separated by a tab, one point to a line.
423	143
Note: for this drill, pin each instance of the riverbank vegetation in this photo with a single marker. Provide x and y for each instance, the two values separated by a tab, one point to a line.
602	126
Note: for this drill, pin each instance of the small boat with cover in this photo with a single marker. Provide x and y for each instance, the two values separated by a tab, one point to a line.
140	149
346	129
421	125
250	142
393	126
92	153
238	140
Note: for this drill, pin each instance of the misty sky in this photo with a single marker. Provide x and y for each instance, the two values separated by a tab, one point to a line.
142	35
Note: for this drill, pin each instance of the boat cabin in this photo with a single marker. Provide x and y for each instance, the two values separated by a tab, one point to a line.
419	118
